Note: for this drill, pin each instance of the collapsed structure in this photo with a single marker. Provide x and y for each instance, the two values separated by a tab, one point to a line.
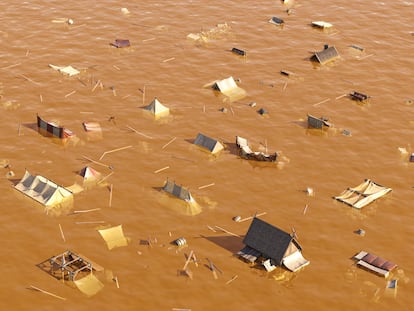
374	263
76	268
363	194
273	246
246	153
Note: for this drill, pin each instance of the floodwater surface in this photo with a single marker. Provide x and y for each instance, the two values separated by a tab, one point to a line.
142	152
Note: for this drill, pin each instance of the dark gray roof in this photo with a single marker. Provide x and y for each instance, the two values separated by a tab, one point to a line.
176	190
326	55
270	241
206	142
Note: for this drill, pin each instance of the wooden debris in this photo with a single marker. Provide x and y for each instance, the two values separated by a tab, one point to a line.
168	59
305	209
211	228
110	194
205	186
132	129
169	142
161	169
28	79
106	177
61	233
89	222
86	211
99	163
46	292
232	279
343	95
213	268
114	150
251	217
96	85
116	281
226	231
321	102
71	93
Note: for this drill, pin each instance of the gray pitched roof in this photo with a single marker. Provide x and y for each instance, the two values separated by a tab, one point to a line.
326	55
268	240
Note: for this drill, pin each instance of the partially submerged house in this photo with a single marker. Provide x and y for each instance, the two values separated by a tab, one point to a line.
52	129
328	54
363	194
207	143
318	123
44	191
229	88
157	109
178	191
272	246
374	263
246	153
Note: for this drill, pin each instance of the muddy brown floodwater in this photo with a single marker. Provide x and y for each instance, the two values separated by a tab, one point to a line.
166	64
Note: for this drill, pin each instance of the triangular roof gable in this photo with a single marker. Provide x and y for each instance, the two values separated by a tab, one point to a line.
225	85
88	172
268	240
208	143
156	107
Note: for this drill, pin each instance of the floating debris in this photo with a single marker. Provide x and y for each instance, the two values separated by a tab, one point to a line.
360	232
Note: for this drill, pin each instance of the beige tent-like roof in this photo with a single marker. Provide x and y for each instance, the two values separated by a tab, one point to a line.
157	109
229	88
114	237
363	194
43	190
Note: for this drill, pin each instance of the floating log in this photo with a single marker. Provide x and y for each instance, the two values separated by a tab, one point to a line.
161	169
114	150
46	292
61	233
205	186
169	142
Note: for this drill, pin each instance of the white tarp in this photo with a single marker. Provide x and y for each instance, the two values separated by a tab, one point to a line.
69	70
43	190
363	194
295	261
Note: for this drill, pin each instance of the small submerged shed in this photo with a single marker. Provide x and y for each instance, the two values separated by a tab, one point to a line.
318	123
157	109
178	191
210	144
274	246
